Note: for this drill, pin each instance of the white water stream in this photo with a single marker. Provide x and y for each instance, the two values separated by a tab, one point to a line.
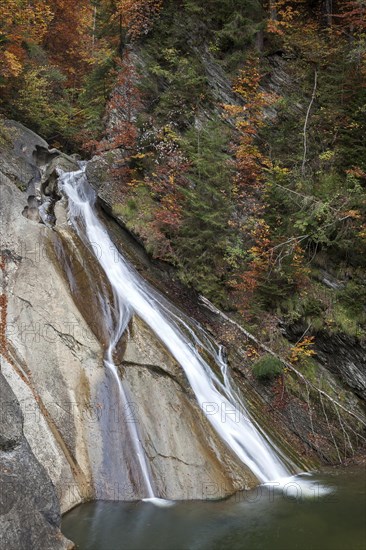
215	394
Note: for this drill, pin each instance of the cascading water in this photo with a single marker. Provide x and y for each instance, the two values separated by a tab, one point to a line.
215	395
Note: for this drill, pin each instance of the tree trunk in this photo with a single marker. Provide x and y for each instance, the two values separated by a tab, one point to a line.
328	12
306	122
259	40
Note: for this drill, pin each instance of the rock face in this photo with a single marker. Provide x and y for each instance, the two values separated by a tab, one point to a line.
53	362
343	355
346	357
68	441
53	359
29	509
187	458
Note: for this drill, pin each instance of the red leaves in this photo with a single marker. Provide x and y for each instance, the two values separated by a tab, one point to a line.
122	109
353	15
167	181
21	23
68	40
137	16
248	182
170	212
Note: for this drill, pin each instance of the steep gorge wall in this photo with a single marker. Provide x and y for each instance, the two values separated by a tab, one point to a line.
53	360
53	344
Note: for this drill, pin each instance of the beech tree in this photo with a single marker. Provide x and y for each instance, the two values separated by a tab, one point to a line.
248	182
137	16
68	39
21	23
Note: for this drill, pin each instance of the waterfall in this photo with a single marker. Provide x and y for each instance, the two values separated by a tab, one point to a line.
214	391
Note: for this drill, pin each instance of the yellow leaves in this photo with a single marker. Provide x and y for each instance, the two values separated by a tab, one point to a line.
362	234
38	16
233	110
280	172
274	27
254	251
302	349
134	183
249	118
354	214
12	65
21	23
327	155
252	352
169	134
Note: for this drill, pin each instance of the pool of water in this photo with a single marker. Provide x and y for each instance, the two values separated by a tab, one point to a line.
262	519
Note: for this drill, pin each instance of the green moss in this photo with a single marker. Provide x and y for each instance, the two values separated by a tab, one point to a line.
267	367
309	368
137	210
345	321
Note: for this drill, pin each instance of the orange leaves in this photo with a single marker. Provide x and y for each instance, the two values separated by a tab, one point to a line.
25	20
12	64
137	16
354	214
62	26
302	349
233	110
249	118
258	264
21	23
68	39
249	176
356	172
274	27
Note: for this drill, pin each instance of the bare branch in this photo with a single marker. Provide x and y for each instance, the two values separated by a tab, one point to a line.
306	122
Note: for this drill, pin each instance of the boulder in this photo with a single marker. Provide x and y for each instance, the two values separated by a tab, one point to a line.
30	516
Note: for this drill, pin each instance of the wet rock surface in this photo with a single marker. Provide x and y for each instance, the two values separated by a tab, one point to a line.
53	357
30	516
56	371
187	458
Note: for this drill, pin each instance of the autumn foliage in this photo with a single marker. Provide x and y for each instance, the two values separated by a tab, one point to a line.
137	16
302	349
67	38
122	108
215	189
21	22
251	165
168	179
